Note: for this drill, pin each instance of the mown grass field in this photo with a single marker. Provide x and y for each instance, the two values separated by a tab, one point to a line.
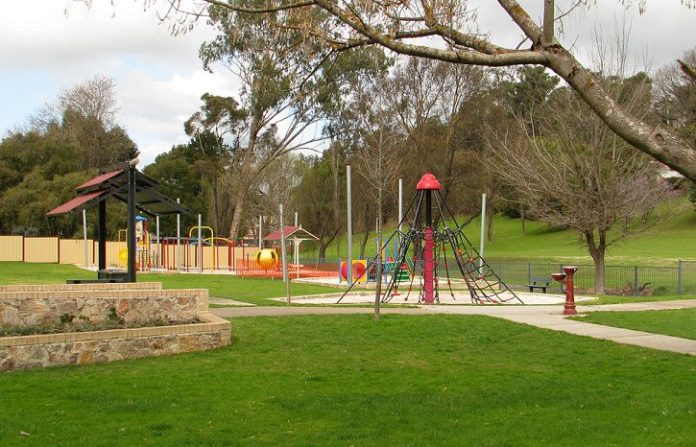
252	290
348	380
678	323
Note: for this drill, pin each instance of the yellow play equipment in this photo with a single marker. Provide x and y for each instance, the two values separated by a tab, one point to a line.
142	246
267	258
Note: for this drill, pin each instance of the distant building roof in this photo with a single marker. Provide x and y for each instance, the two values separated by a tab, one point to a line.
292	233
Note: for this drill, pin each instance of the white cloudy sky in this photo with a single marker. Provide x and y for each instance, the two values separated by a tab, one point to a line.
159	77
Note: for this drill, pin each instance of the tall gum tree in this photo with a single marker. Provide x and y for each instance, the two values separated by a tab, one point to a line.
442	30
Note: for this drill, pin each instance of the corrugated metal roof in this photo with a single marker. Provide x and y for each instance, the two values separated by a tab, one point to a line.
77	202
98	180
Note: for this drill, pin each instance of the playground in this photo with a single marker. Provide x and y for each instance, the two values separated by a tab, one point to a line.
441	351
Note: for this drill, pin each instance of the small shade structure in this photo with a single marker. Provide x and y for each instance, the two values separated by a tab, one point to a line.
125	183
296	235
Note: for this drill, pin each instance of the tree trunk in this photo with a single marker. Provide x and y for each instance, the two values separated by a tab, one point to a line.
237	216
597	251
524	228
324	244
363	243
245	173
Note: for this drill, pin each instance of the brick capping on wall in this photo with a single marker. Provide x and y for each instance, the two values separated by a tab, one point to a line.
43	350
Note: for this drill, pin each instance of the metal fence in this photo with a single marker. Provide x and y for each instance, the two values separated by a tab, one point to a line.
618	280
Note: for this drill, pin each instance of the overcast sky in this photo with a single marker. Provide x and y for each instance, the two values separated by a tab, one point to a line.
159	77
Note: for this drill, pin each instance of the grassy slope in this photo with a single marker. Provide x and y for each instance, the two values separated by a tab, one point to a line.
663	243
679	323
346	380
226	286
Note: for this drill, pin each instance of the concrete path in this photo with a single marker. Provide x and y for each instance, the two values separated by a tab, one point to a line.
547	317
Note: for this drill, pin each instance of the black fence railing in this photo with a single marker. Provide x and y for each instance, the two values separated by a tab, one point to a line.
618	280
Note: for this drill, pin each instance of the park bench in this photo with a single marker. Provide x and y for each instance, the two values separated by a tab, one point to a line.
94	281
541	283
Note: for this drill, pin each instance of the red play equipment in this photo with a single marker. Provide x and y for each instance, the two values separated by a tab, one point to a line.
425	246
358	270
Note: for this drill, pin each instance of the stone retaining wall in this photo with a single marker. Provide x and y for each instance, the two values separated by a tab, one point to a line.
36	305
77	287
40	351
142	306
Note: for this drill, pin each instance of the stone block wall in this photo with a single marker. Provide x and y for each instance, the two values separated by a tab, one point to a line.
139	302
142	306
40	351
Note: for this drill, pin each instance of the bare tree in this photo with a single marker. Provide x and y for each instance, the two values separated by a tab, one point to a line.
421	91
576	174
675	95
446	30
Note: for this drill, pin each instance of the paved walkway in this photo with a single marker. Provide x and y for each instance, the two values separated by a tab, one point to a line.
547	317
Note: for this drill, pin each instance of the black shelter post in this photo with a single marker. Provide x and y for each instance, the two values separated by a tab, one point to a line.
101	235
131	224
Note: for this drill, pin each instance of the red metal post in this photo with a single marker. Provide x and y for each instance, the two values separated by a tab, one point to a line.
428	267
428	183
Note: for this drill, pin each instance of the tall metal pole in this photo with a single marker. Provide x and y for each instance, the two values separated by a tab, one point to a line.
260	232
159	245
483	228
200	243
349	224
284	258
401	202
178	240
297	219
84	234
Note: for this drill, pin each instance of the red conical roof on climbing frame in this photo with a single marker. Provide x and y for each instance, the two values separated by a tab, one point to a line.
428	181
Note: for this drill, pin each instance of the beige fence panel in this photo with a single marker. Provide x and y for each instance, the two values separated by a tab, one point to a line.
11	248
112	254
40	249
72	251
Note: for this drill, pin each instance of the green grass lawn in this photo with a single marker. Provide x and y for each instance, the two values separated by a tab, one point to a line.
347	380
613	299
252	290
679	323
671	236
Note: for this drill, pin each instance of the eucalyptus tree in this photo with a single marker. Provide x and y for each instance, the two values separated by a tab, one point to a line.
287	94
